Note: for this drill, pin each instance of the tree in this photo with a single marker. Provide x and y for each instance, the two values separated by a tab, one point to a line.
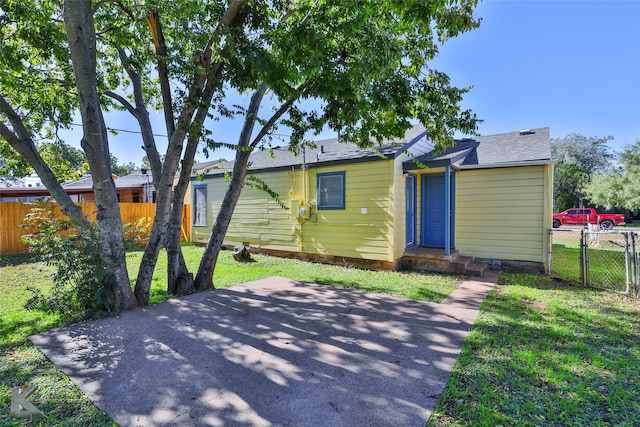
618	186
366	63
577	159
253	47
67	162
121	169
12	167
51	50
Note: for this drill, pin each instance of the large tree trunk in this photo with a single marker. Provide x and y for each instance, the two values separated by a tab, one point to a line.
204	278
79	25
201	98
163	206
179	280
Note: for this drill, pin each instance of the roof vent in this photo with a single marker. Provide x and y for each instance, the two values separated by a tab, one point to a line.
527	132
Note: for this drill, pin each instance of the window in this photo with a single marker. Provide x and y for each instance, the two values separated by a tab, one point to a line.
136	197
200	205
331	194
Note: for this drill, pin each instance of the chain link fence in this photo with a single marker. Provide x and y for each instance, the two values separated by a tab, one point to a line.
601	259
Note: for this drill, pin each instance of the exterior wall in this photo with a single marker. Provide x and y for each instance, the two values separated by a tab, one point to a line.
258	220
124	196
262	224
504	213
352	232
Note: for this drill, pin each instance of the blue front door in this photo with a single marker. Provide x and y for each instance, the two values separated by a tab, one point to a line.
434	211
410	220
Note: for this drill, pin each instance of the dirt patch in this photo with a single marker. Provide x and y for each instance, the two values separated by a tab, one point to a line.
534	304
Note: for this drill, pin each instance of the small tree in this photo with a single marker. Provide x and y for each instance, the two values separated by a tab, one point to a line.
620	186
577	159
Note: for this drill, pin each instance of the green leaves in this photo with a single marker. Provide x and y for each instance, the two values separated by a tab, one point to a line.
36	77
577	158
618	187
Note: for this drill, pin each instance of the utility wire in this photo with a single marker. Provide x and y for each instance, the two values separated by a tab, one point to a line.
157	134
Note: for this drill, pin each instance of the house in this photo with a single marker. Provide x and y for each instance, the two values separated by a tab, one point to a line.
133	188
198	170
486	201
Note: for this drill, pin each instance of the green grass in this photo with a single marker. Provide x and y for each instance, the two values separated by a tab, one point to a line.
606	260
22	363
427	287
543	353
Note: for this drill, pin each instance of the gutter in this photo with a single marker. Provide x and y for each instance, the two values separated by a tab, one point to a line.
508	164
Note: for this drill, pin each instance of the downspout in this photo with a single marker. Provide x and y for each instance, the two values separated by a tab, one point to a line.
304	172
304	194
447	213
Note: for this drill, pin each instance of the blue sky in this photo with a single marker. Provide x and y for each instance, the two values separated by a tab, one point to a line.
572	65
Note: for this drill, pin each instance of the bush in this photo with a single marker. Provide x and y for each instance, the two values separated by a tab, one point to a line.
137	233
81	285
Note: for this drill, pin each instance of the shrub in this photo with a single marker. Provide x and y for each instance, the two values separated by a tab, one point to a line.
137	233
81	285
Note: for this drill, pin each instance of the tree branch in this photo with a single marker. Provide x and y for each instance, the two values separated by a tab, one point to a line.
142	115
126	104
155	26
20	140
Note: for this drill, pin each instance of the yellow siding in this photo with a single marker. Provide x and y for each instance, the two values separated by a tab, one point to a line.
258	219
503	213
349	232
260	222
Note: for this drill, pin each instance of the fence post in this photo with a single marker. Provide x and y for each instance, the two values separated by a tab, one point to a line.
583	258
635	264
626	261
549	250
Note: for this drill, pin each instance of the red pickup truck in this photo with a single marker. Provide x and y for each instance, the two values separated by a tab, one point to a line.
583	216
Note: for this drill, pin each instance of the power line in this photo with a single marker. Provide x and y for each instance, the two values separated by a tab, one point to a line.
121	130
281	135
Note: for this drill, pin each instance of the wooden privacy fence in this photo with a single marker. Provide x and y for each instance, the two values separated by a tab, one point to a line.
12	215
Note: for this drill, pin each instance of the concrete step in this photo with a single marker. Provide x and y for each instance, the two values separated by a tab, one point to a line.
461	263
477	269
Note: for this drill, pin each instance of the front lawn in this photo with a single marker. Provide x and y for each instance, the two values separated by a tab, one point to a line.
543	353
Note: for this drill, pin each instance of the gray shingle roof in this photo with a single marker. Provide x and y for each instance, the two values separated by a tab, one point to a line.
520	147
198	167
327	152
511	148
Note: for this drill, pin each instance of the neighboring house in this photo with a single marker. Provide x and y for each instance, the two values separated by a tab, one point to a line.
137	187
133	188
487	200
